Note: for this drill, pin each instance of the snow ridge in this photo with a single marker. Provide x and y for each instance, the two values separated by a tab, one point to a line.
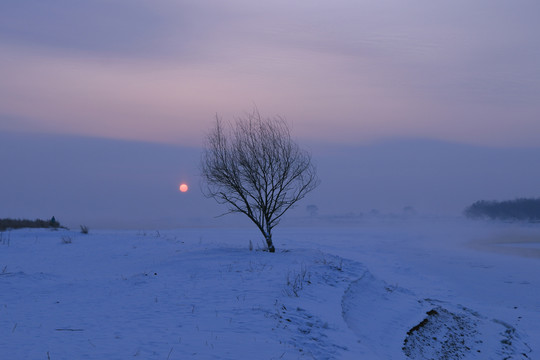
383	314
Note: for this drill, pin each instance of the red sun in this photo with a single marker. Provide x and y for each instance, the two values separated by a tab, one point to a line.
183	187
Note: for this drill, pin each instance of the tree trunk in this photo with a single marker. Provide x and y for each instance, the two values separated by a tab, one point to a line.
271	247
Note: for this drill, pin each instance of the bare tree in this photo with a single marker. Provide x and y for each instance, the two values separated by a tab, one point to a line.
255	168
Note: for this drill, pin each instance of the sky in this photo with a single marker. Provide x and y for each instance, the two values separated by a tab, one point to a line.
98	85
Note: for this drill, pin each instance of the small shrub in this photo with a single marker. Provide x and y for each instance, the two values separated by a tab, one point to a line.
84	229
53	223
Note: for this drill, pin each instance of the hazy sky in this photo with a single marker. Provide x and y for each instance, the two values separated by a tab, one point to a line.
341	71
346	74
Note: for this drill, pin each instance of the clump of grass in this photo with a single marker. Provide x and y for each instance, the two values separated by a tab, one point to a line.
7	240
84	229
66	240
296	281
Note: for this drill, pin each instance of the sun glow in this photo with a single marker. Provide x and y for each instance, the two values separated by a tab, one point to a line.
183	188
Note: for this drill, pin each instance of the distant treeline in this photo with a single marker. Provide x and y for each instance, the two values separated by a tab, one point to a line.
24	223
518	209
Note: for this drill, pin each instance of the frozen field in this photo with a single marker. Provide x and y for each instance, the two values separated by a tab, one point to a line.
382	289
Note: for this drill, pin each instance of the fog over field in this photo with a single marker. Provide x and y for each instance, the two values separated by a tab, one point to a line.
121	184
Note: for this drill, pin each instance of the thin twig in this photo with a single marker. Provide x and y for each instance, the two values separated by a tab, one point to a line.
168	356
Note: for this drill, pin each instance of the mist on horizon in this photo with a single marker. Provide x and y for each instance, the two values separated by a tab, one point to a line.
105	183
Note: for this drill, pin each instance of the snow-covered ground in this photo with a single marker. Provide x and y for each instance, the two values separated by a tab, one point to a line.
381	289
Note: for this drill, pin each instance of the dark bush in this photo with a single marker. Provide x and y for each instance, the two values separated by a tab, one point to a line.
25	223
518	209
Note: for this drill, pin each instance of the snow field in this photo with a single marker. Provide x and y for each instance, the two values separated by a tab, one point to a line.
119	295
386	290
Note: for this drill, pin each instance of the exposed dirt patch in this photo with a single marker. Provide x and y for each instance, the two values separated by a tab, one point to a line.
441	335
462	334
